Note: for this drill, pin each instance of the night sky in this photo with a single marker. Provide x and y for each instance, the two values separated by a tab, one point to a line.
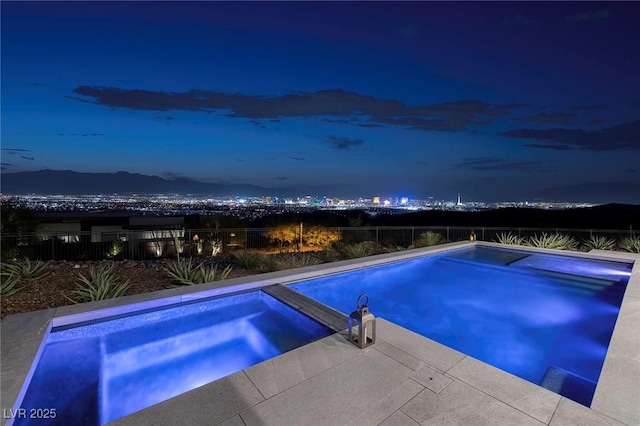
496	101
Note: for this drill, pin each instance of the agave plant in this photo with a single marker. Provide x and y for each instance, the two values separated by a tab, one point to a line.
99	284
8	285
363	249
327	256
25	270
552	241
599	242
509	238
630	244
186	272
428	239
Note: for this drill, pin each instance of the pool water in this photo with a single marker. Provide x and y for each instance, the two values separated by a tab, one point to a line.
97	373
547	319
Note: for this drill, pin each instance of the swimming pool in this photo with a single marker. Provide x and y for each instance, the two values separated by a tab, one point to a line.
96	373
545	318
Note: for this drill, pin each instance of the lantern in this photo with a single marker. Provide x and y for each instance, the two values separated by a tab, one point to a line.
365	323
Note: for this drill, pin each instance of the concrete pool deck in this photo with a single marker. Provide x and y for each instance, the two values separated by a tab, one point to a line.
404	379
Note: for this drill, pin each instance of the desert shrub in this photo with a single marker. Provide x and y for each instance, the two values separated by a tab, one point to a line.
552	241
25	270
327	256
299	260
428	239
363	249
186	272
392	249
117	246
284	235
99	284
630	244
319	237
255	261
599	243
509	238
248	259
8	285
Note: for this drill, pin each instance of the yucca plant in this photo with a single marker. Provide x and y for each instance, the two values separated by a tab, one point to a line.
363	249
552	241
8	285
630	244
428	239
186	272
26	270
99	284
509	238
599	242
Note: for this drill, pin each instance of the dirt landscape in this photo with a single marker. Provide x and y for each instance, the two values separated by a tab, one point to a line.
60	280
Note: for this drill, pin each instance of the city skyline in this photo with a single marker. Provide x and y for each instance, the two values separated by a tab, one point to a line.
496	101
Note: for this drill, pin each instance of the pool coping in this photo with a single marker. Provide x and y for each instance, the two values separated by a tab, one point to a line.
618	389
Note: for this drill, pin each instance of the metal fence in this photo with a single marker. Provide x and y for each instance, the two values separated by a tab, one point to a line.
169	243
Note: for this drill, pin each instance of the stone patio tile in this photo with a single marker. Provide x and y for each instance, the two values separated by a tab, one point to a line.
206	405
531	399
625	342
461	404
399	419
392	402
340	394
618	392
22	336
431	379
282	372
431	352
570	413
15	328
399	355
233	421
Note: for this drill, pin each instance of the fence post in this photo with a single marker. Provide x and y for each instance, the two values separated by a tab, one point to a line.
377	242
448	234
483	233
413	234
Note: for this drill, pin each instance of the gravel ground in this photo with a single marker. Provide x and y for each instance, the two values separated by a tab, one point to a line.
61	278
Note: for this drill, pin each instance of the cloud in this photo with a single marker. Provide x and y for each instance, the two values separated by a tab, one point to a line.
296	158
27	158
497	164
14	151
543	118
594	16
586	107
451	116
631	171
282	178
621	136
342	143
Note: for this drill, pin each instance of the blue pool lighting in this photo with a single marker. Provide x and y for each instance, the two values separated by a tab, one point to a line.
545	318
97	373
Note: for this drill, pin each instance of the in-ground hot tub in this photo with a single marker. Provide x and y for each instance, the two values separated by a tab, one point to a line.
95	373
